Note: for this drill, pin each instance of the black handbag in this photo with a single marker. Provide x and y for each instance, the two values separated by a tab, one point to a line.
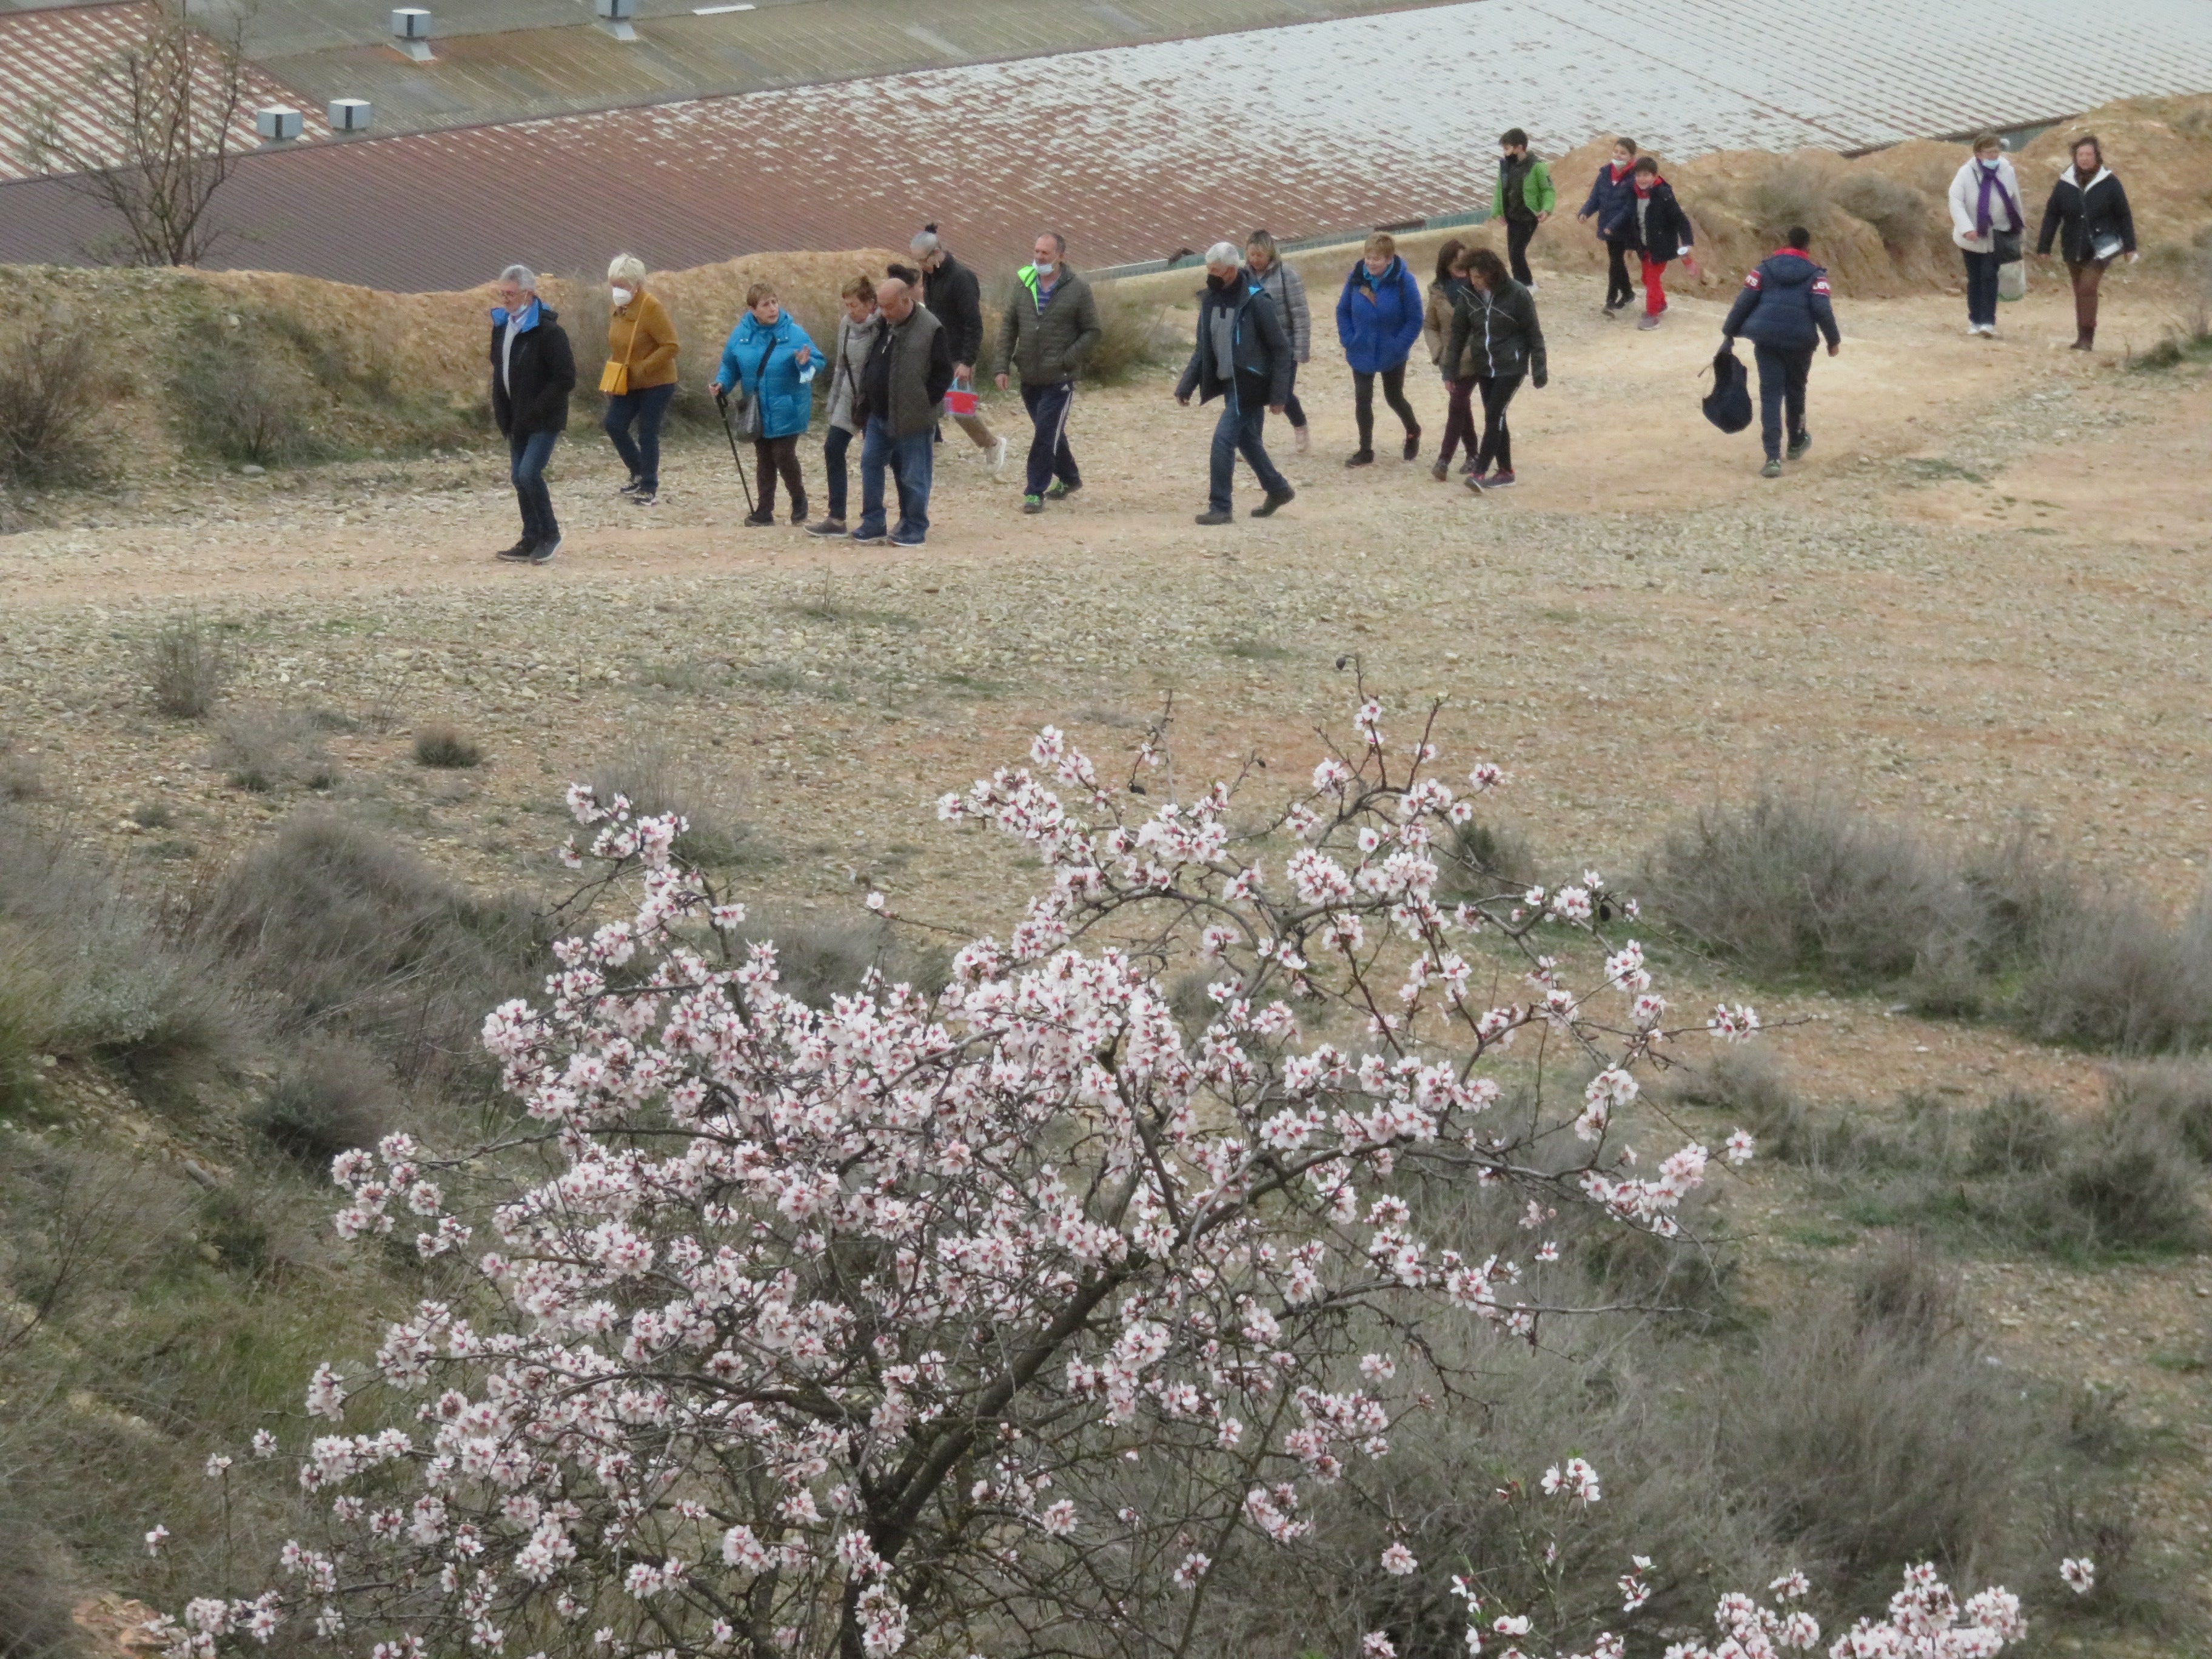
2006	243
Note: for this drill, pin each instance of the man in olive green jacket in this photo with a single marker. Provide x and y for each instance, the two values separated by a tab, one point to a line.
1051	323
1524	198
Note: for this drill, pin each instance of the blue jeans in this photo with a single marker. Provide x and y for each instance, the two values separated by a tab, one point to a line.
1981	286
530	451
835	443
1782	374
1049	456
645	409
912	461
1238	429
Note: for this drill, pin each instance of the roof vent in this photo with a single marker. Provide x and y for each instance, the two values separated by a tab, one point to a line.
410	32
615	17
351	114
278	123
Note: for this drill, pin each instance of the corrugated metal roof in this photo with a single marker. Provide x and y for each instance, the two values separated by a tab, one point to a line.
45	54
1137	151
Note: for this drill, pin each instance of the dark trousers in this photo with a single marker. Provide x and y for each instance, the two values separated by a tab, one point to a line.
1049	456
770	457
1458	423
1782	374
1619	290
529	452
1498	391
2089	277
1518	234
1243	415
645	411
834	446
1293	410
912	462
1393	393
1981	286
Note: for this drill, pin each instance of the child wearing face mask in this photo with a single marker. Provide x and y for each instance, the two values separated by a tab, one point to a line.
642	346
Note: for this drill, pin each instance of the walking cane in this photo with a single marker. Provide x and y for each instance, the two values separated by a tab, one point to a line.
722	403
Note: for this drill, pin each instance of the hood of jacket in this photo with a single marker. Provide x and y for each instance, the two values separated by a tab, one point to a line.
750	330
1789	267
535	313
2073	176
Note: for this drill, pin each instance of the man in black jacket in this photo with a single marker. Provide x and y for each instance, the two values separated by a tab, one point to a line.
956	299
533	373
1243	357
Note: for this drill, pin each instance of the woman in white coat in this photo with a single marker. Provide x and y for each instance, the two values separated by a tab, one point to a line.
1986	223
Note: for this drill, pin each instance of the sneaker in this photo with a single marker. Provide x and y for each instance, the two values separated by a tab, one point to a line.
906	541
1441	470
1473	483
1267	508
1612	308
1500	479
544	552
827	527
1799	444
1413	443
1974	329
1650	319
1060	490
1032	503
1303	439
1772	470
632	487
1360	458
758	519
999	461
879	539
519	552
1215	515
646	497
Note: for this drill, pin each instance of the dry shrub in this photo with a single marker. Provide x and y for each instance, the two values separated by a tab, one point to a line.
332	1096
656	782
1798	882
2107	973
186	668
444	747
238	396
820	958
1482	859
2177	1093
1128	340
262	749
1899	211
2127	1185
1795	190
35	1595
50	403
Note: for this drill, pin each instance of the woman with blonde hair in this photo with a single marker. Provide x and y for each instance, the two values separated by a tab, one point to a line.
770	359
1282	283
640	378
856	333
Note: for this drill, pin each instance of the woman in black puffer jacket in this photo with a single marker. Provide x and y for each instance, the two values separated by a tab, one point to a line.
1495	338
2088	216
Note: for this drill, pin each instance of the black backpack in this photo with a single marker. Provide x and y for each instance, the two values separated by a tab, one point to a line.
1728	405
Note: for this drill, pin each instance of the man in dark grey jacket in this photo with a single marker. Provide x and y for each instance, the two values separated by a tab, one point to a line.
956	299
908	367
1050	326
1244	356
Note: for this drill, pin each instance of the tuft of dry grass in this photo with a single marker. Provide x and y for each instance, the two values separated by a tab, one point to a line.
50	404
186	668
332	1096
719	835
444	747
262	749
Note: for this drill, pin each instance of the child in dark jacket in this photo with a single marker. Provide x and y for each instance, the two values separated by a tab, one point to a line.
1663	234
1612	203
1785	310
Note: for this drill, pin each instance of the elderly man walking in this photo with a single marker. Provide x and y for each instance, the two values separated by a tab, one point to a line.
533	372
908	369
955	298
1051	323
1243	357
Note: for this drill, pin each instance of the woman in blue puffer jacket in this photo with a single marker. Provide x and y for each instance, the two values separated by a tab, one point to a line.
770	356
1378	317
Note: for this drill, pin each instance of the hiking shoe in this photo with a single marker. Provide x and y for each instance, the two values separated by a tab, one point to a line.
1799	444
1441	470
544	552
1772	470
632	487
519	552
645	497
1215	515
998	462
799	511
1267	508
1032	503
1413	443
1062	490
1500	479
1360	458
1649	319
827	527
757	519
1303	439
879	539
1474	483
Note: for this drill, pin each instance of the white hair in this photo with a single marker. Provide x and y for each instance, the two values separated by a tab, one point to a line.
1225	253
522	277
626	268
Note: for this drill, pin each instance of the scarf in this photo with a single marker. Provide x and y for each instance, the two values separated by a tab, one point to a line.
1991	181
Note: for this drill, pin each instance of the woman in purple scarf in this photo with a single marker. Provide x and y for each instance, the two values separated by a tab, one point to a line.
1986	211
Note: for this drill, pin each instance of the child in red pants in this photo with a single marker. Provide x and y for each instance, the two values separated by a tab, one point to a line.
1663	234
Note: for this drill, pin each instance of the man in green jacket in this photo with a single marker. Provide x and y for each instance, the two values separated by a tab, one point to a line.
1050	325
1524	198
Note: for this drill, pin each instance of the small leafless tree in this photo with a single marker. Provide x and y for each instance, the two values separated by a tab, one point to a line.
153	138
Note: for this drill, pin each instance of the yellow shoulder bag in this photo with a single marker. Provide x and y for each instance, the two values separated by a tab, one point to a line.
614	379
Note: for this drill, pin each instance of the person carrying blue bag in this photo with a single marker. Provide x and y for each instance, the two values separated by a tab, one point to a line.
771	359
1784	308
1378	317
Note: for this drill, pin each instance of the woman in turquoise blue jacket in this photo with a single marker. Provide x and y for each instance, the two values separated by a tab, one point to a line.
769	356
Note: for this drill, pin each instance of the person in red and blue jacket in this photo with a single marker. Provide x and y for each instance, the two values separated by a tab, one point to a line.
1784	308
1612	203
1378	317
1663	234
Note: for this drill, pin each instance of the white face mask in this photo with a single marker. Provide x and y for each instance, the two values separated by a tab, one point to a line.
1045	267
622	297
